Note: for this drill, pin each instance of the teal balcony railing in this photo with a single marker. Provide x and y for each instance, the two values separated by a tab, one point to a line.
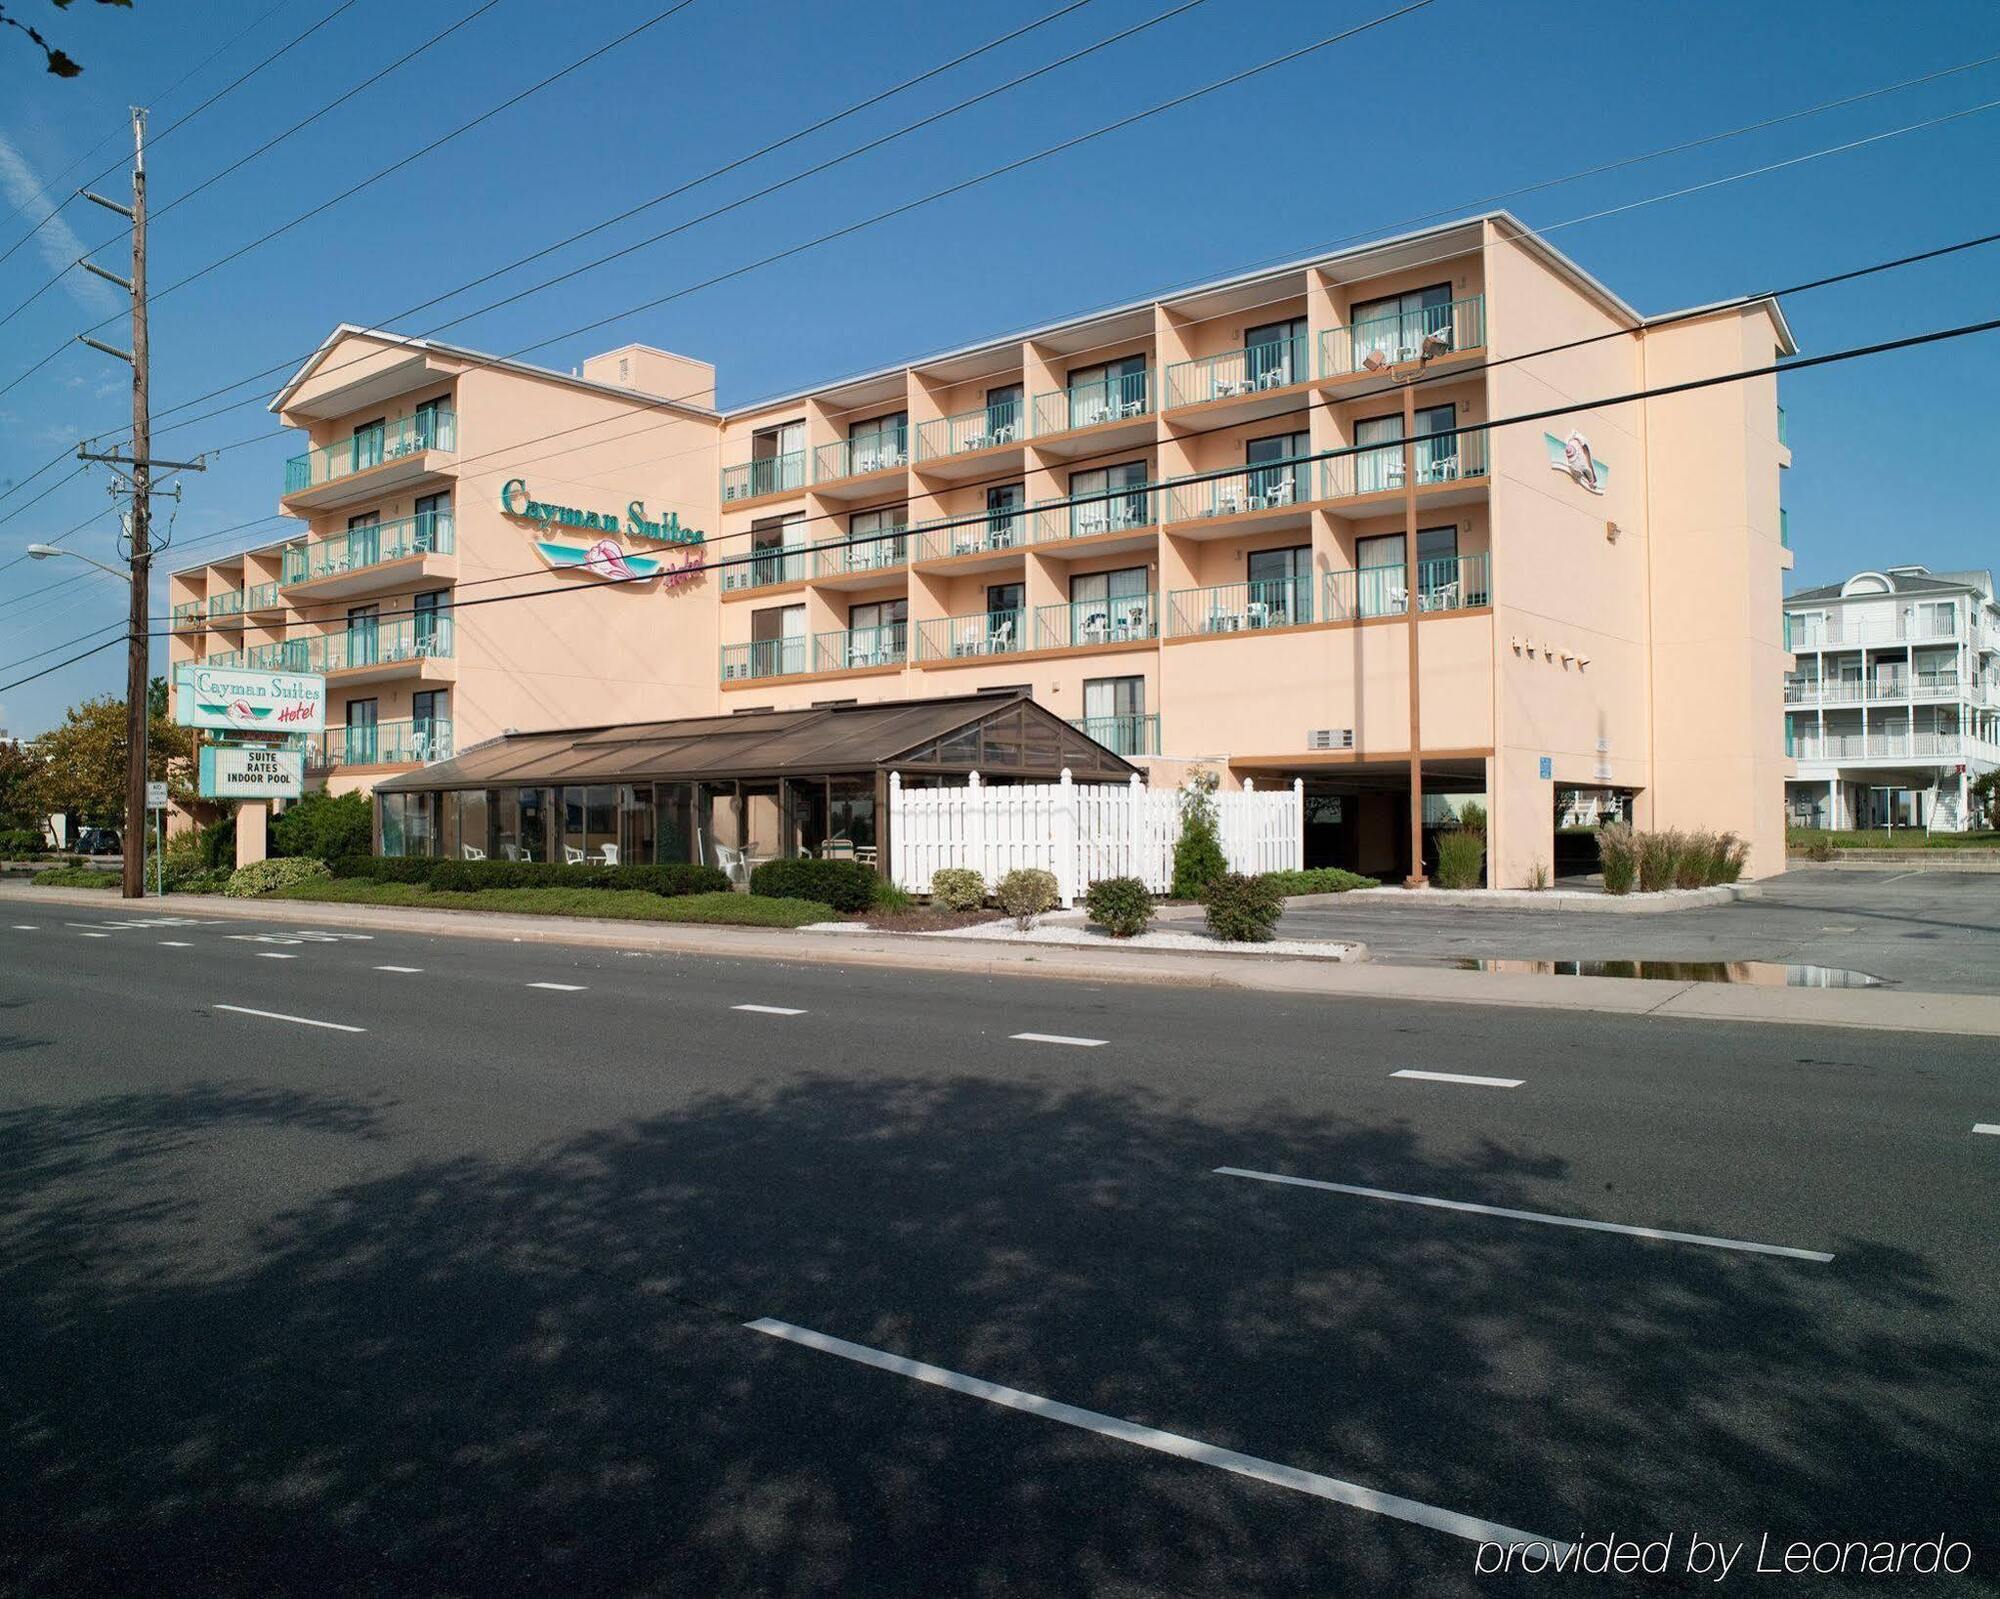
973	533
1240	607
947	638
1447	583
409	435
988	428
852	649
1234	373
1122	735
1083	516
229	660
771	564
188	614
772	657
225	607
1441	458
260	597
1784	438
359	548
1121	619
1084	405
857	457
384	744
1268	486
1784	527
771	474
360	645
882	551
1382	341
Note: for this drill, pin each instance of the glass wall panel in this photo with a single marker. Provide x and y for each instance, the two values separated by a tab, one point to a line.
475	808
676	823
805	815
716	823
850	813
537	806
635	824
420	824
763	833
393	838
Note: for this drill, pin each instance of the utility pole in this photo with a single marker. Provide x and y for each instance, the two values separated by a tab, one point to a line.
140	465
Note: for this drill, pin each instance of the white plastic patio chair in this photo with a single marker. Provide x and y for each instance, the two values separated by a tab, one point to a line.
572	856
732	862
1229	499
608	854
512	852
472	853
1000	638
1258	613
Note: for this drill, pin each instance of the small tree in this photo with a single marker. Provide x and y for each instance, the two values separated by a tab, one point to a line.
18	766
1984	792
325	827
1198	857
82	769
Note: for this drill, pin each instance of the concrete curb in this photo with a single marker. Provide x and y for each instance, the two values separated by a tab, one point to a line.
1929	860
1973	1015
1530	899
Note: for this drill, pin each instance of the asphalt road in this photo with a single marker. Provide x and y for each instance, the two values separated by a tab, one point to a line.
457	1303
1929	929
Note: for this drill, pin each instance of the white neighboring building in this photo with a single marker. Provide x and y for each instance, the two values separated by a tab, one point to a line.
1893	705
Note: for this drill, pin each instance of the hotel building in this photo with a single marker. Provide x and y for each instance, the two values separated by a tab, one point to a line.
1892	707
1192	528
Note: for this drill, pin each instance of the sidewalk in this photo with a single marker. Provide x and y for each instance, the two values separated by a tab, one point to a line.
1973	1015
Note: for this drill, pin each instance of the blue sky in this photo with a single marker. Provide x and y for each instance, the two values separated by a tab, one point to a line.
1431	112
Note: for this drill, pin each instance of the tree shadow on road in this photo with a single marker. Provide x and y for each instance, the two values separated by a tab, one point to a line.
474	1376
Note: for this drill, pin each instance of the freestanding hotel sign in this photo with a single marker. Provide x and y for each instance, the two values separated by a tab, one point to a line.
249	702
251	771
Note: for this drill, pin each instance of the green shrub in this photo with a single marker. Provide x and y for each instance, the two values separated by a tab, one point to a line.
1317	880
384	868
669	878
1198	857
324	827
1473	816
264	877
958	888
1699	861
1025	893
217	843
845	885
1461	857
200	880
1618	851
20	844
1659	860
1122	906
888	897
74	876
1732	856
1243	910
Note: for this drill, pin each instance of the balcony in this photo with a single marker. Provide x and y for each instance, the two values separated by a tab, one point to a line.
226	609
1086	624
859	648
1269	494
358	560
1233	608
1784	528
838	467
997	535
773	657
372	463
1113	408
953	638
767	566
771	474
261	597
1379	342
1251	380
1129	510
1446	465
1122	735
1447	583
1889	690
384	744
1814	633
188	614
1882	746
859	560
364	652
998	426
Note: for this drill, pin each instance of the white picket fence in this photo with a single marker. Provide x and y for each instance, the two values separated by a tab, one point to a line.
1080	832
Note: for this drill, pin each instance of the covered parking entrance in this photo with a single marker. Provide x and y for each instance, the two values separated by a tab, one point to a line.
1357	814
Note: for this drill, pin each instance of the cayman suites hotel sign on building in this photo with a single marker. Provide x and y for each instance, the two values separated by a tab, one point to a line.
1181	525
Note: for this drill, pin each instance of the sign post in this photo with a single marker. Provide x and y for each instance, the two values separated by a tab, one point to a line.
156	802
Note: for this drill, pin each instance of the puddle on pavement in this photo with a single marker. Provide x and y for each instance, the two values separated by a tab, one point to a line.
1766	974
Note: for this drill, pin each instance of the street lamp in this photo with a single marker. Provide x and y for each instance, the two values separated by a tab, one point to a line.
135	722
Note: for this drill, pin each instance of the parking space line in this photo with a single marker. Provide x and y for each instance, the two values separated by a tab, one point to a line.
175	943
1528	1215
93	935
769	1010
1059	1038
27	927
1987	1127
561	988
1462	1077
1166	1443
274	955
280	1016
399	968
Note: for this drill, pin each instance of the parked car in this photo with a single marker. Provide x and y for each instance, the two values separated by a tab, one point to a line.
97	841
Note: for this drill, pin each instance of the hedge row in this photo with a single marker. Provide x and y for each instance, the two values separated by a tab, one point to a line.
845	885
468	876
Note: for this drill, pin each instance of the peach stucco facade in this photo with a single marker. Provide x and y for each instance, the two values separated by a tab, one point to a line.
1180	524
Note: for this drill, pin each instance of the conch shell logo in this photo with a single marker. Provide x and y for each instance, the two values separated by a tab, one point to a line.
1580	463
606	559
242	711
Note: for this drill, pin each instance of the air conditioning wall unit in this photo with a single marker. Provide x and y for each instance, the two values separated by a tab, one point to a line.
1330	738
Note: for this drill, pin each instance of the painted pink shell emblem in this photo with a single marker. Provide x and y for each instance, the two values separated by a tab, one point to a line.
606	560
242	711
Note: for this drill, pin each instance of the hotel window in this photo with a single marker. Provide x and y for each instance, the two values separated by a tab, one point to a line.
877	632
359	742
778	550
430	627
366	448
364	539
1274	353
878	552
1006	616
1437	458
430	715
1114	713
1002	529
777	459
1107	390
363	635
1397	326
778	641
1003	414
433	424
1280	586
429	524
1383	577
1278	483
878	443
1110	607
1114	511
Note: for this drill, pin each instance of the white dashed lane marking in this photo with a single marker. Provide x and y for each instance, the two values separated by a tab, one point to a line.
1059	1038
1462	1077
769	1010
561	988
399	968
1987	1127
274	955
